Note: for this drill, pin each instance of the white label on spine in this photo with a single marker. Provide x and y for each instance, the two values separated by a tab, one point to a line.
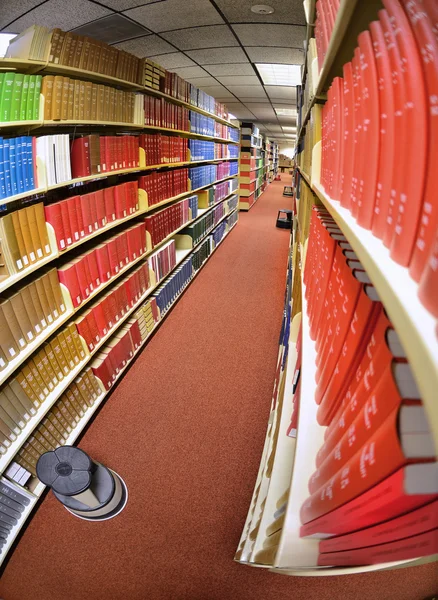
62	243
11	351
25	260
44	323
39	252
47	248
2	362
49	318
22	342
37	328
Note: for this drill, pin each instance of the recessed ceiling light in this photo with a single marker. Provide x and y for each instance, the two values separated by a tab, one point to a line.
289	128
285	112
274	74
262	9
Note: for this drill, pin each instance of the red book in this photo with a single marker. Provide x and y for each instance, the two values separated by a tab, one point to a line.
68	277
54	217
81	226
362	417
94	330
103	157
87	272
413	523
371	128
101	322
84	330
86	213
80	158
102	369
428	288
103	262
358	146
382	454
106	306
93	211
423	544
91	259
114	260
100	208
120	201
416	114
122	248
110	206
66	225
387	135
423	17
73	219
84	282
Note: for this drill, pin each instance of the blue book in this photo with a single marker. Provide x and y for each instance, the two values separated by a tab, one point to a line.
19	164
2	171
7	168
24	163
30	162
13	164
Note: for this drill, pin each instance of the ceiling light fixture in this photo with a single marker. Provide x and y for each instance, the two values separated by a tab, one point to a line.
285	112
262	9
278	74
292	129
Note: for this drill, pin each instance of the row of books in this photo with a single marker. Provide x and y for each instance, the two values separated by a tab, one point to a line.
160	185
198	230
80	216
153	73
201	124
166	294
26	314
161	224
378	453
13	502
77	100
85	274
158	112
21	397
164	149
19	97
326	11
17	166
385	91
24	239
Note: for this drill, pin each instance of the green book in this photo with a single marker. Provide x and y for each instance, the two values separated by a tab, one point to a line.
24	98
6	97
17	88
30	99
36	103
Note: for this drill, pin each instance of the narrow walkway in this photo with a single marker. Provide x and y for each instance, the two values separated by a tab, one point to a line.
185	429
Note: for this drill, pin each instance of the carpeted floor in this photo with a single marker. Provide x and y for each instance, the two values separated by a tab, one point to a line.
185	429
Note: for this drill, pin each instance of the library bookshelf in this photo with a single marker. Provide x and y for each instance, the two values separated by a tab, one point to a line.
215	217
252	166
271	534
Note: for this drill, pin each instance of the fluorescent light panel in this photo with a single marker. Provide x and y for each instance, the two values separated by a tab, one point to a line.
285	112
289	128
272	74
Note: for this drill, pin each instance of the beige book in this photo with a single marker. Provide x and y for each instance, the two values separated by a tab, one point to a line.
47	285
36	444
56	411
11	320
27	237
8	344
22	380
70	407
94	93
44	441
42	228
9	421
51	356
76	99
52	379
56	290
55	344
83	390
10	247
68	416
71	100
35	299
82	100
66	350
87	102
16	301
16	395
47	92
20	239
42	385
24	411
31	310
57	425
64	98
17	418
40	364
76	340
7	434
48	434
47	310
57	98
76	400
71	346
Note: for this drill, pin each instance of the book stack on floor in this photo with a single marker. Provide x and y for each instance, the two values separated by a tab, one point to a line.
361	492
91	261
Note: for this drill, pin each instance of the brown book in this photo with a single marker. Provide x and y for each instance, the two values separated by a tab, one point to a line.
82	100
47	309
57	98
76	340
78	51
36	444
37	304
64	98
66	48
44	428
24	407
51	356
85	52
32	389
19	458
66	350
20	381
55	344
76	101
71	346
45	280
17	419
42	385
57	425
8	434
27	238
72	50
94	148
34	231
91	54
87	102
42	227
47	365
71	409
56	290
112	105
31	310
76	400
102	59
31	451
10	250
71	100
47	423
92	388
19	237
57	47
107	105
40	360
83	390
94	91
71	420
100	102
97	54
9	422
65	424
47	92
53	42
44	441
11	320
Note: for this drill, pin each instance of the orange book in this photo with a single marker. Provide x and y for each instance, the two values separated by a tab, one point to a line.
385	452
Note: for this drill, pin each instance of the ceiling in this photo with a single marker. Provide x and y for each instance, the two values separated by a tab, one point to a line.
214	44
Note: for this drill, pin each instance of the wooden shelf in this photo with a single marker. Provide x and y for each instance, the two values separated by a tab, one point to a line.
40	487
398	292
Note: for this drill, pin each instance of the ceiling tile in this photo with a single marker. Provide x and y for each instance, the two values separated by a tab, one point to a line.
262	104
213	36
247	91
240	80
64	14
265	100
218	56
289	56
230	69
173	60
175	14
112	29
121	5
202	82
281	91
12	10
273	127
288	36
187	72
217	91
263	113
146	46
286	11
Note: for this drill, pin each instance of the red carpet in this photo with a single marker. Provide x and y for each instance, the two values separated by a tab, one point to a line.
185	429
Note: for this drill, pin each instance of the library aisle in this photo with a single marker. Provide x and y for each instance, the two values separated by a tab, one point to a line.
184	429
